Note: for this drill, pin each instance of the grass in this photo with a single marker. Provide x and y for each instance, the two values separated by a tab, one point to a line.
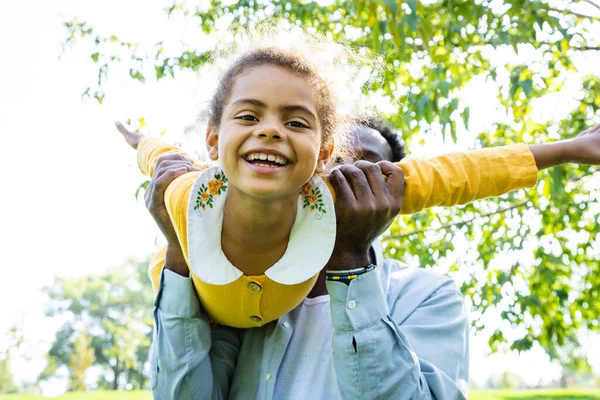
554	394
98	395
542	394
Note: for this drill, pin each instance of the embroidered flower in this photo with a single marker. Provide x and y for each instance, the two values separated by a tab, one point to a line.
306	189
213	187
313	199
206	194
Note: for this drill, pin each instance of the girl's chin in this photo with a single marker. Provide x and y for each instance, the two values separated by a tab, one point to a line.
269	192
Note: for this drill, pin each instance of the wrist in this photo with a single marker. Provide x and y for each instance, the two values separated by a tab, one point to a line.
175	261
570	151
345	260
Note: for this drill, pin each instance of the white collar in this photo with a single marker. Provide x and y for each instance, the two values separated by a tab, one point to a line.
311	240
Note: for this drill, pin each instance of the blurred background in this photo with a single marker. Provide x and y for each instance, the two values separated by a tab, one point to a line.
75	301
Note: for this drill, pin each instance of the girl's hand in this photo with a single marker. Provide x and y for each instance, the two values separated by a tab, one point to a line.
168	168
585	147
582	149
132	138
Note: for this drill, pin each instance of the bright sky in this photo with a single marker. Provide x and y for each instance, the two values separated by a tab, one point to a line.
69	179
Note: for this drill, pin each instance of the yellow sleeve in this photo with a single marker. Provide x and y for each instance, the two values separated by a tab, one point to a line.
463	177
156	265
149	149
176	200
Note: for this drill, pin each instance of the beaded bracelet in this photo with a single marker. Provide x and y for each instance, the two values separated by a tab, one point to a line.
348	275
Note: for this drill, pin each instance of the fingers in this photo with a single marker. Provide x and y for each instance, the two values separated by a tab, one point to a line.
121	128
132	138
357	180
174	164
374	177
169	160
395	181
343	191
155	195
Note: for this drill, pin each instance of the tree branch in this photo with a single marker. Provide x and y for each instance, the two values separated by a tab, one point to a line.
569	12
590	2
460	223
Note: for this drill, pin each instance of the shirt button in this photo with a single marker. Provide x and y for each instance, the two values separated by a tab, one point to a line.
286	324
352	304
267	377
256	318
254	287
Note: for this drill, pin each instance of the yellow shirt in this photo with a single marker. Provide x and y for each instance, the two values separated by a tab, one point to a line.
250	301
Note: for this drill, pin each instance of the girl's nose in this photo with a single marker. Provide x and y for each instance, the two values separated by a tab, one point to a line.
269	130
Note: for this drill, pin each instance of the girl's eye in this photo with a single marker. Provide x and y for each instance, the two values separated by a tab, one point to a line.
247	117
297	124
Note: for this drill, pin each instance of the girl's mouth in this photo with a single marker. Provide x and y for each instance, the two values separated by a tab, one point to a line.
266	160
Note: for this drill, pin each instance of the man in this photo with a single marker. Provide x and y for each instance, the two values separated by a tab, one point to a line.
375	141
391	333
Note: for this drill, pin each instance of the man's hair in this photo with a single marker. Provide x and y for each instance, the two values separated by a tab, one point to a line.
390	136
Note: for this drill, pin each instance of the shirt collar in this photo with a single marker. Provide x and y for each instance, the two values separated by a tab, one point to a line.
311	240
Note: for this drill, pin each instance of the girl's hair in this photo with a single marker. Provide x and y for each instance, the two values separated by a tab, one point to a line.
334	71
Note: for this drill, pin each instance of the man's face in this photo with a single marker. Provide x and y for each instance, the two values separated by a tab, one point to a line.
369	145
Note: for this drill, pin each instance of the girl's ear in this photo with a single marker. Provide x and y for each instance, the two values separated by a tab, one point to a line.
324	157
212	142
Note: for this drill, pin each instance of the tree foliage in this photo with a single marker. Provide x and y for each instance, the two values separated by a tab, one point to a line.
14	340
80	361
108	323
531	256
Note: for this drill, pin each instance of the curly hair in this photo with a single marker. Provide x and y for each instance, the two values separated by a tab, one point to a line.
393	139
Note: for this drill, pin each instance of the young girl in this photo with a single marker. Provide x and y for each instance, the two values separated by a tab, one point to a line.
257	229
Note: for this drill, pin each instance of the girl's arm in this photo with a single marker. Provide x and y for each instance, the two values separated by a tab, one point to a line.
189	359
463	177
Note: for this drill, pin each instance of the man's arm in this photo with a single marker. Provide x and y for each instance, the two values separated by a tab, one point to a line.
189	359
376	356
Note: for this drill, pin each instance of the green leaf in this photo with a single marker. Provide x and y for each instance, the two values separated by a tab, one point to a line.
465	116
526	86
444	88
95	56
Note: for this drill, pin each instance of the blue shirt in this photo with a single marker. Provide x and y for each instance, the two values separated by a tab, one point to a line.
393	333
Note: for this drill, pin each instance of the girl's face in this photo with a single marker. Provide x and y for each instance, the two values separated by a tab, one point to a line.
269	140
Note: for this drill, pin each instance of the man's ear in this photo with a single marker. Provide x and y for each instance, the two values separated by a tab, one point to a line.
324	157
212	142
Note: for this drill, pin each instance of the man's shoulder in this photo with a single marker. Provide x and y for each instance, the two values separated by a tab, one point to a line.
411	286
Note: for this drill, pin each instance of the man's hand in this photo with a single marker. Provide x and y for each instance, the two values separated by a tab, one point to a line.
168	168
366	204
132	138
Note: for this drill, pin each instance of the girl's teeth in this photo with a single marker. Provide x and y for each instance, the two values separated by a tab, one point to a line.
271	157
